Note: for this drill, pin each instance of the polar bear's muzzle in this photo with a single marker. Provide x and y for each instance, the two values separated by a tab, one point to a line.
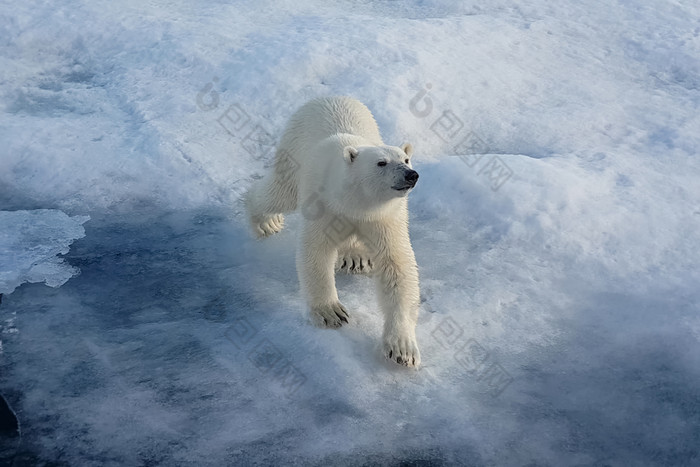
410	177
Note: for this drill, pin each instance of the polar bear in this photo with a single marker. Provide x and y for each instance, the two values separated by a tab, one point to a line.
352	191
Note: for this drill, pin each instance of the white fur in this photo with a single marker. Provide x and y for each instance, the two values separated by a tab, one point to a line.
353	217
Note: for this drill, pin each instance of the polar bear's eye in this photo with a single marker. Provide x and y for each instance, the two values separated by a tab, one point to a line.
381	164
406	161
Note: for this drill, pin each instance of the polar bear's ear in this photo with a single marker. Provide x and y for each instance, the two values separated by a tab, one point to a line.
407	148
349	154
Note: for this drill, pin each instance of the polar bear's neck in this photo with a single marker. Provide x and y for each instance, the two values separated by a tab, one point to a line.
356	207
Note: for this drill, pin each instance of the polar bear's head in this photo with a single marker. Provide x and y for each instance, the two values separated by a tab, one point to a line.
381	172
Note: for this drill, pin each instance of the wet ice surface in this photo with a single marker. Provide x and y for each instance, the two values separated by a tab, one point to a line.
156	346
559	321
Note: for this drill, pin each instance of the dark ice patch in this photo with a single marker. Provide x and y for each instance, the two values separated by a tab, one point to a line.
9	432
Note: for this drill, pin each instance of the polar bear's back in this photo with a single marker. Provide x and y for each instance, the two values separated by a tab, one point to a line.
327	116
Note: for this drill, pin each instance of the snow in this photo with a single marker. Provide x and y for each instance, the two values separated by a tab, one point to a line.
555	224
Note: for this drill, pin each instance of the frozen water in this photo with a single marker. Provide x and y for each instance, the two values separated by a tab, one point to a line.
556	225
29	244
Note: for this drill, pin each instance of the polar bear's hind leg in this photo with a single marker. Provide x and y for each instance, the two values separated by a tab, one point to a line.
354	258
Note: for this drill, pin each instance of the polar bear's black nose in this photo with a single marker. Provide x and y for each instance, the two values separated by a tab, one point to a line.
411	176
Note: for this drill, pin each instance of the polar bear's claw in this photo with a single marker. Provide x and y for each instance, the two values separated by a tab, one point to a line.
269	226
402	350
354	264
329	316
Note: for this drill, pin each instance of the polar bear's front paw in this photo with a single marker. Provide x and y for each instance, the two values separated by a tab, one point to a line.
329	316
269	225
353	264
402	349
